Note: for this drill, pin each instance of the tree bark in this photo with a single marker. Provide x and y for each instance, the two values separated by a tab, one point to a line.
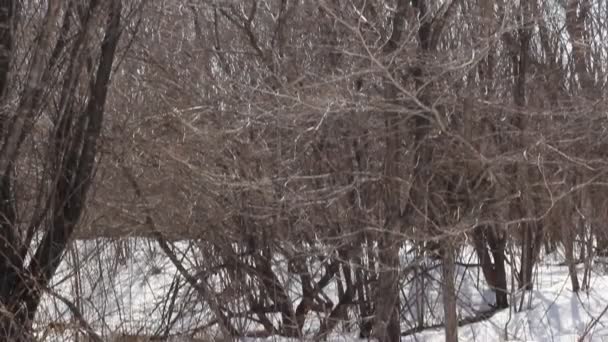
449	293
568	241
21	285
488	244
386	326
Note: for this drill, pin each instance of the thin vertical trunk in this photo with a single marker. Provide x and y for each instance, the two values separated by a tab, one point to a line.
568	242
420	308
532	241
500	288
363	294
386	326
527	263
588	259
497	243
531	229
588	222
449	293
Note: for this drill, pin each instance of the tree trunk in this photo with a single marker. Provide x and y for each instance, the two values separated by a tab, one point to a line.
498	244
73	162
386	326
449	293
420	307
568	241
364	297
487	242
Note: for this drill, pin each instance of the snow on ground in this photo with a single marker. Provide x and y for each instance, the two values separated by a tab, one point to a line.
552	313
123	287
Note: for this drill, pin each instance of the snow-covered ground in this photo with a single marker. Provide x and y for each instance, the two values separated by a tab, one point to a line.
551	313
122	287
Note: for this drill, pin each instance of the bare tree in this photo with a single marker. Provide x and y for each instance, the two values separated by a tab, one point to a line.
325	161
38	222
